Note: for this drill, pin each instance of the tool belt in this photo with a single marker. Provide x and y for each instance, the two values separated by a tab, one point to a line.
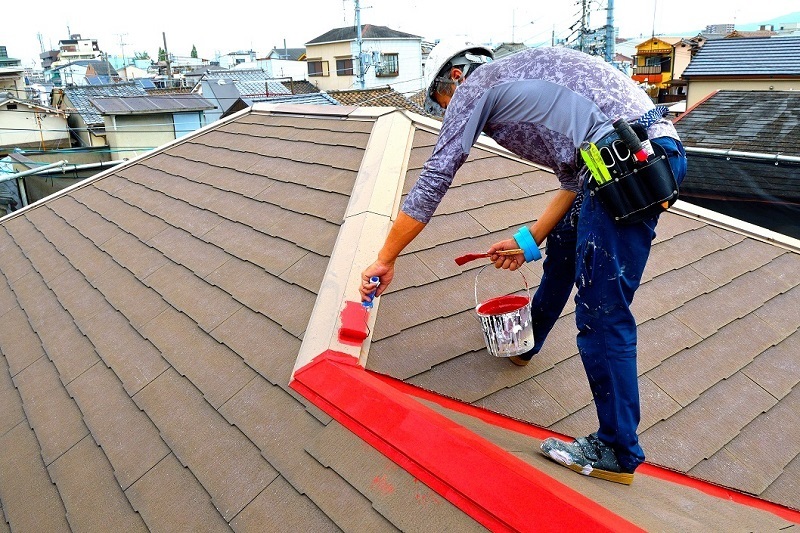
633	185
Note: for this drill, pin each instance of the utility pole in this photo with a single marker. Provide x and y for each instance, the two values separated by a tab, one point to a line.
610	40
582	41
166	57
359	42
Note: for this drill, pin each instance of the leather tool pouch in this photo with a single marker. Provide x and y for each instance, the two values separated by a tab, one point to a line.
638	191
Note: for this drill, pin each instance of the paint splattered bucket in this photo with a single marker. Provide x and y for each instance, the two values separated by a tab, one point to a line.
506	322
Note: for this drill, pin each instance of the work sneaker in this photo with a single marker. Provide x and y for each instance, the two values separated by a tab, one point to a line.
588	456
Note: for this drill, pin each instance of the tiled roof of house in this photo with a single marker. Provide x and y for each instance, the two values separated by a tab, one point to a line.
377	97
766	122
300	87
80	97
368	31
128	105
718	316
151	318
746	57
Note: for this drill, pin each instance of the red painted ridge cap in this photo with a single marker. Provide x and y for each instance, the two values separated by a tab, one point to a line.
491	485
536	432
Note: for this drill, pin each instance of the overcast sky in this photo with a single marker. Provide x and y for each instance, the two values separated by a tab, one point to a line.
219	28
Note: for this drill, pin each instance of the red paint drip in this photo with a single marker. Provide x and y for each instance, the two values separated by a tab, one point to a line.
354	324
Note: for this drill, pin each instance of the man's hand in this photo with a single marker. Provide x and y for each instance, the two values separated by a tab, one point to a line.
385	271
509	262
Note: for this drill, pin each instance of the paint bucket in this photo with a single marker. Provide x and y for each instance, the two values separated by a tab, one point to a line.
506	322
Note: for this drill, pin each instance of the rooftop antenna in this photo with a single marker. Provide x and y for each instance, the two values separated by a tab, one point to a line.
655	7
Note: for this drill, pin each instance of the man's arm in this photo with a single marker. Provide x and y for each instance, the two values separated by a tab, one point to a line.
540	229
403	231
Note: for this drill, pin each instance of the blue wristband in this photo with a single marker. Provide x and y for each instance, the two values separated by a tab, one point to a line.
525	241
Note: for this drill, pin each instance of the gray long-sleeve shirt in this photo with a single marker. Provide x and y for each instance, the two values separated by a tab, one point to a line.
540	104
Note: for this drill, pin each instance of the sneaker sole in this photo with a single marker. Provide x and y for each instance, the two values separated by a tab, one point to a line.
519	361
616	477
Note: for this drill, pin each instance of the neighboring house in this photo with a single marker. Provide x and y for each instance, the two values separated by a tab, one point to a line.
85	121
285	63
388	57
224	88
137	124
377	97
27	124
233	59
507	49
77	49
659	63
745	156
132	72
769	63
83	72
11	75
170	356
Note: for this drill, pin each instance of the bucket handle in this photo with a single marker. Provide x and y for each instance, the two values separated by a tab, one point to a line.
527	289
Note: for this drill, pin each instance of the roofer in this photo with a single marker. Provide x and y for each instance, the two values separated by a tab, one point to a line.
543	104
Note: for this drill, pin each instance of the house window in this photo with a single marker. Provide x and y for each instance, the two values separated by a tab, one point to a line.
390	65
318	68
344	67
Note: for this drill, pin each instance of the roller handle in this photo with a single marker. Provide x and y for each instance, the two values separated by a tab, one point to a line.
373	279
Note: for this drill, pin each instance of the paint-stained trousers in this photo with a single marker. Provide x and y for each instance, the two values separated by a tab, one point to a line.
605	261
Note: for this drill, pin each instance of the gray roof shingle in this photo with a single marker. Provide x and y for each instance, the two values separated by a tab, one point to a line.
746	57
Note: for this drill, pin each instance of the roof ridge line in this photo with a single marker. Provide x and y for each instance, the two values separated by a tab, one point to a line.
372	208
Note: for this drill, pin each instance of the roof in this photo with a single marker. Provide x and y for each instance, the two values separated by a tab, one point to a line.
103	68
291	54
766	122
300	87
377	97
5	99
80	98
141	105
746	57
368	31
318	98
151	318
238	75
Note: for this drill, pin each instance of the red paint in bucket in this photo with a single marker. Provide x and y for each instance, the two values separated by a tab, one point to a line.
502	305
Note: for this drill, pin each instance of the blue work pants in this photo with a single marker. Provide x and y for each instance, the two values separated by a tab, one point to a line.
605	260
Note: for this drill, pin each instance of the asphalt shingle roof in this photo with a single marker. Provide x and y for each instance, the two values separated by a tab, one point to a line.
150	320
765	122
746	57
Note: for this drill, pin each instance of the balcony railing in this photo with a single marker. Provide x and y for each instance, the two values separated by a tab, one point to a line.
647	70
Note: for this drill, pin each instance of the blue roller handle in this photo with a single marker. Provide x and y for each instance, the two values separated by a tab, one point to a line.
373	279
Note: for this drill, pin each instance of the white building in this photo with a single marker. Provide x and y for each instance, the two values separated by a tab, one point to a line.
388	57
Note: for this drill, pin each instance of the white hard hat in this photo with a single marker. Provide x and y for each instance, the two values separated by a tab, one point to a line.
448	54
